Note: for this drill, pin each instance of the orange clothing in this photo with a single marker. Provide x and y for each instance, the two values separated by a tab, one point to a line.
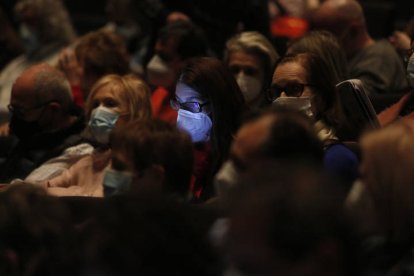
161	108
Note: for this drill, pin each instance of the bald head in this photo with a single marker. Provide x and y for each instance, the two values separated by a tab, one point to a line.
337	15
40	84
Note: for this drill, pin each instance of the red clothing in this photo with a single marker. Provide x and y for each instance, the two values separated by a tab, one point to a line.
161	108
78	96
202	163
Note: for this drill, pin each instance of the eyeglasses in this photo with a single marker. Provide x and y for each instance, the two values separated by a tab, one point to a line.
20	111
293	89
194	107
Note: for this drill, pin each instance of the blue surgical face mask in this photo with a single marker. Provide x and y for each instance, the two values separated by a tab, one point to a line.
116	182
102	122
198	125
410	72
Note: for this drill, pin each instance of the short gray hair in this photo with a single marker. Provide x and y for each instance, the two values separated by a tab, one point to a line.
53	86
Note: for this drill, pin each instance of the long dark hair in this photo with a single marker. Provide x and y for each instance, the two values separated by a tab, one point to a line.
213	80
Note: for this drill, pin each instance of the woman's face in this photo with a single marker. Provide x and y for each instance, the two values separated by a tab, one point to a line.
290	80
248	71
108	96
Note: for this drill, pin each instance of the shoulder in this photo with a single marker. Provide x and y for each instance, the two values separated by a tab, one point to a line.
339	151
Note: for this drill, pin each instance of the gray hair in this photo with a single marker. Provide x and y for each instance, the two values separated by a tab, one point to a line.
52	86
256	44
53	21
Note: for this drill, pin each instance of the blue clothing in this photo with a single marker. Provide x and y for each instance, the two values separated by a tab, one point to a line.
341	162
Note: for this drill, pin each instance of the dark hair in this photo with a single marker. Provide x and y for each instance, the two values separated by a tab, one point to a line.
325	45
190	39
321	76
213	80
102	53
298	208
292	138
149	142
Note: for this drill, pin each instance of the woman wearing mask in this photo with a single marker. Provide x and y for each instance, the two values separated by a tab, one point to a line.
209	104
251	58
306	82
113	101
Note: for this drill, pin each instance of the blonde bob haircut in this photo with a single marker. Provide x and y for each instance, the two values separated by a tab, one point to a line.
132	91
388	174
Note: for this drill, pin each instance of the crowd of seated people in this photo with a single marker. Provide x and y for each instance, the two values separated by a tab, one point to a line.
147	147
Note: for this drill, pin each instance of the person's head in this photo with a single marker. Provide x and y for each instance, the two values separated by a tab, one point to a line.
115	100
276	134
209	104
390	185
287	219
324	44
251	58
176	43
306	79
36	230
43	22
100	53
345	19
156	156
41	100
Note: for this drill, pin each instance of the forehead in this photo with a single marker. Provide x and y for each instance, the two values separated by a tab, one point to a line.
241	58
185	93
108	91
292	70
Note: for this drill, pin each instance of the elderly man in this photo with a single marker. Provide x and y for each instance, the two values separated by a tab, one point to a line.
375	63
42	118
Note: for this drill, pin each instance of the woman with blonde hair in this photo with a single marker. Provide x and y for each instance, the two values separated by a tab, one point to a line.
114	100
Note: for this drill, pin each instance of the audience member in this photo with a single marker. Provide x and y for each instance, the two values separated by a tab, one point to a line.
209	104
37	234
287	219
43	118
251	58
306	82
152	156
147	235
176	43
44	29
375	63
325	45
96	54
381	201
276	134
114	100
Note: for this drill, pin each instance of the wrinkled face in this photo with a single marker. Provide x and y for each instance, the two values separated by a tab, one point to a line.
247	64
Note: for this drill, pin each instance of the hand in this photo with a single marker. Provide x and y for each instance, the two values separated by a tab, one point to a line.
70	66
392	113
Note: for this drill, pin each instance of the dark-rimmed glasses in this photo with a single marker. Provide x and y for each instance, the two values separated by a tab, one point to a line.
294	89
194	107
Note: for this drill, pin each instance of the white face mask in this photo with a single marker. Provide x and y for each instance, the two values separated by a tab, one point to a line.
410	72
198	125
249	86
159	72
226	178
303	104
